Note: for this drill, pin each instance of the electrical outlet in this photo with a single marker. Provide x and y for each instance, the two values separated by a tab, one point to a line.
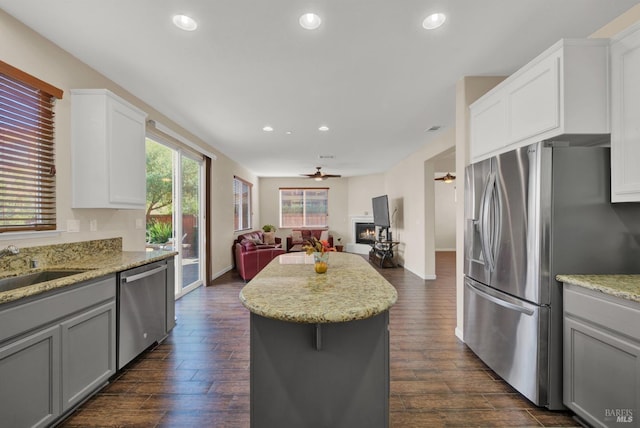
93	225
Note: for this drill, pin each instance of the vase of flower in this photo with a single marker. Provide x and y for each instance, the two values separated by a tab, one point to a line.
320	251
321	262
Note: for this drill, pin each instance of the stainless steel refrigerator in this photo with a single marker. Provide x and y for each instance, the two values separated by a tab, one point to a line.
531	214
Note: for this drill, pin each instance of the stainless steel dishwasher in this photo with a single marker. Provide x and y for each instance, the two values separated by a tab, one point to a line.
142	309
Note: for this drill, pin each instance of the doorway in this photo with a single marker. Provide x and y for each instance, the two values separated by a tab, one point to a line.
175	215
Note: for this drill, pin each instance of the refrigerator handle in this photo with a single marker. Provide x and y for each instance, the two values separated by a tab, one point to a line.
486	229
496	220
499	301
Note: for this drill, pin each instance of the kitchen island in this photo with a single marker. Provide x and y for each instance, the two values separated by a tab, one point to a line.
319	343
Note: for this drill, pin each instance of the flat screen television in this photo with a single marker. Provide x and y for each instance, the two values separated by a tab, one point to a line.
381	211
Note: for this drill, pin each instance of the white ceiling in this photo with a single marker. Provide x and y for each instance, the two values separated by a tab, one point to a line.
370	72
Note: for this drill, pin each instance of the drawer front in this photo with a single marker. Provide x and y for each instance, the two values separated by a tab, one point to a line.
616	314
19	319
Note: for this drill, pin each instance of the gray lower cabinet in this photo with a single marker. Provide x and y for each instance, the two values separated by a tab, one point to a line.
88	352
601	357
55	351
30	379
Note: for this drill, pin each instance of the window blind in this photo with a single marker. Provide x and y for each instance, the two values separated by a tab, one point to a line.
27	162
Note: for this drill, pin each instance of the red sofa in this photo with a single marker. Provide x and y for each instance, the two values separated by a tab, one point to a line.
251	254
305	235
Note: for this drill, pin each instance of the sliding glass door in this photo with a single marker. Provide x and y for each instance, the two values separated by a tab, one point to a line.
175	183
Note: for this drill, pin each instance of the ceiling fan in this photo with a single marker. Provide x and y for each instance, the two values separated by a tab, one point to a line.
448	178
319	176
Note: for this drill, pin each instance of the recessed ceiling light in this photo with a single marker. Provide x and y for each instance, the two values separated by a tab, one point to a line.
288	132
323	128
310	21
185	22
433	21
267	128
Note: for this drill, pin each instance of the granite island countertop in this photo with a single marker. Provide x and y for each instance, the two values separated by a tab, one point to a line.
287	290
94	264
622	286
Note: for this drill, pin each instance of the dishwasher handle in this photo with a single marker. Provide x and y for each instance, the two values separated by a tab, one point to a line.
136	277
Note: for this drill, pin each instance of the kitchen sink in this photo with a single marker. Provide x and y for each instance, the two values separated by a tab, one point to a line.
25	280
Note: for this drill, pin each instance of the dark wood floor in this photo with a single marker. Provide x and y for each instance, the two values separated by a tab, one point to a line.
199	377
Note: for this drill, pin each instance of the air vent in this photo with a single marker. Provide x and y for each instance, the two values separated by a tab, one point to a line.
326	157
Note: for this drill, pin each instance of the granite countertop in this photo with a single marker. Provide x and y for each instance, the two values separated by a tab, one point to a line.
96	265
288	290
623	286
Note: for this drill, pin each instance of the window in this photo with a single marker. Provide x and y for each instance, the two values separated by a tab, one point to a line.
27	164
241	204
301	207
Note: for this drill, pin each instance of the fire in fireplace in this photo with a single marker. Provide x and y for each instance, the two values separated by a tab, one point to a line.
365	233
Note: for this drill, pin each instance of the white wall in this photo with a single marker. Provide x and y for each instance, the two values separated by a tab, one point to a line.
23	48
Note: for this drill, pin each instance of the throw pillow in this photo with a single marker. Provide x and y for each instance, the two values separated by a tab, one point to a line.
256	241
296	237
324	235
270	238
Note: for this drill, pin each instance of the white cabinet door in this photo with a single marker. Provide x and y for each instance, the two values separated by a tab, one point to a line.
127	160
533	100
488	125
625	118
108	151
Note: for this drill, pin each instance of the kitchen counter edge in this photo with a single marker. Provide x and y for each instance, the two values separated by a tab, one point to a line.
623	286
94	267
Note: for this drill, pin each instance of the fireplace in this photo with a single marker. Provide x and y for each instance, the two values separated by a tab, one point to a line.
365	233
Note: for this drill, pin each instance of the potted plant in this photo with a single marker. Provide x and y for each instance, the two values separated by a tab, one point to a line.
269	232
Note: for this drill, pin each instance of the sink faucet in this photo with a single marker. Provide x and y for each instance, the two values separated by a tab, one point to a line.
10	250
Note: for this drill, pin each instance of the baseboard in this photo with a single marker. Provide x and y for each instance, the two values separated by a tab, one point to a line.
218	274
459	334
425	277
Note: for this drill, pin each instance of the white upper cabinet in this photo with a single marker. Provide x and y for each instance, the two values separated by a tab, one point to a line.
562	91
107	151
625	116
488	124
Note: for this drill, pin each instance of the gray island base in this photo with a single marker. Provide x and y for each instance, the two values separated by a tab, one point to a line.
319	345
